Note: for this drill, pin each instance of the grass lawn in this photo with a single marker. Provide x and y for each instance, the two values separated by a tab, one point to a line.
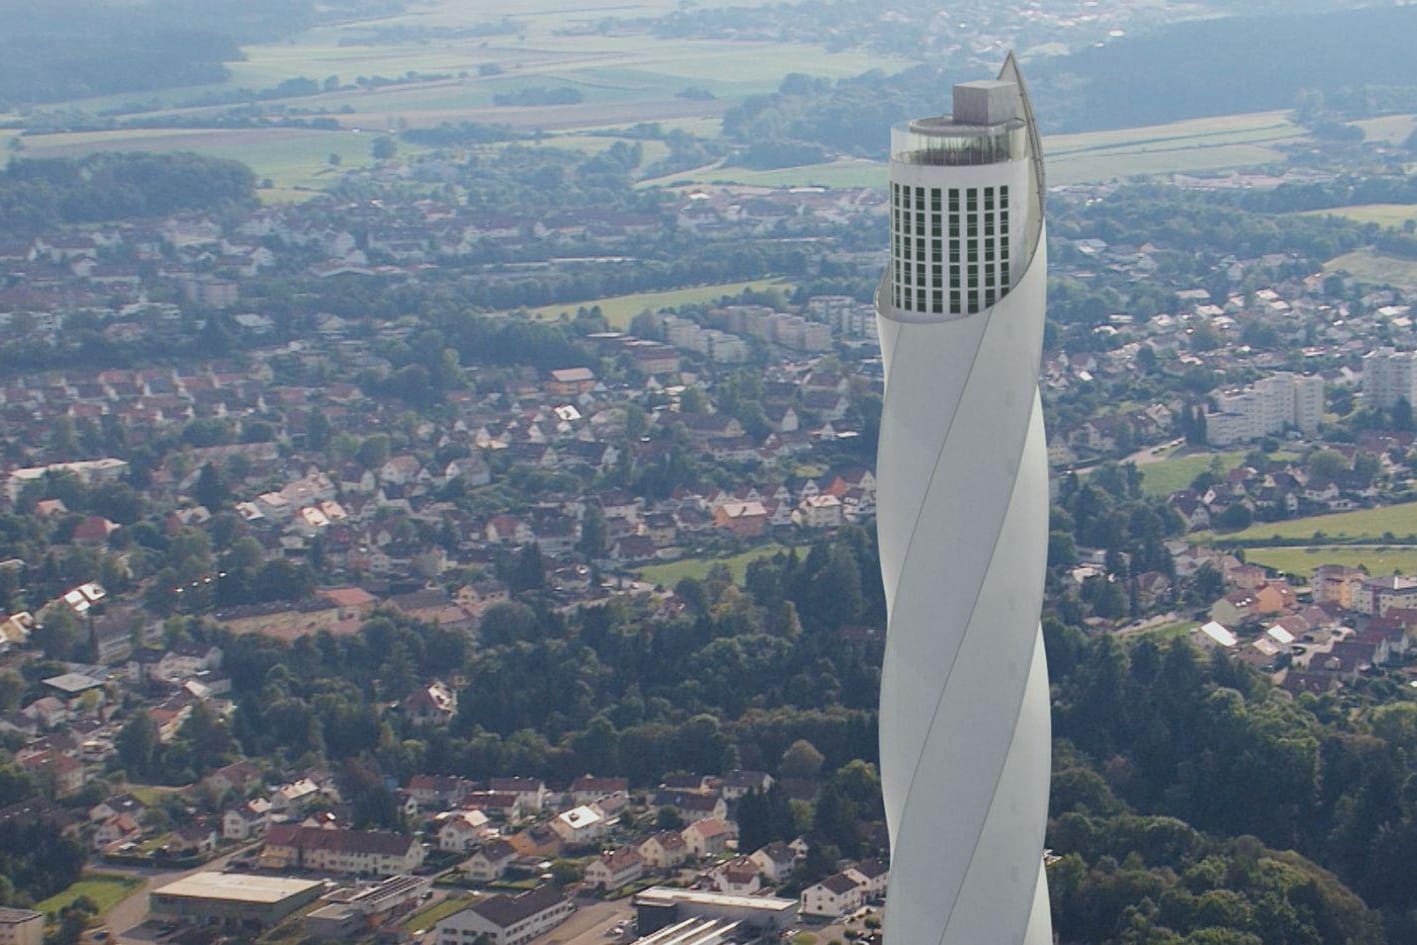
1378	559
1176	472
620	309
431	916
804	938
1399	520
105	889
671	573
1366	265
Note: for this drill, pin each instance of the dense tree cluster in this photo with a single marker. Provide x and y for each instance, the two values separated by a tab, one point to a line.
1167	733
38	194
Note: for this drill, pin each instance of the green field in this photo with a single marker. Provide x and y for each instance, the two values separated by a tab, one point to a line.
1176	472
620	309
105	889
1398	520
1377	559
670	574
1369	266
1383	214
1390	129
1202	144
291	157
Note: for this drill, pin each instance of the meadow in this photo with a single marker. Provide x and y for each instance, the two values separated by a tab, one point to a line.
1383	214
1370	266
1301	561
292	158
620	309
1371	524
673	572
105	889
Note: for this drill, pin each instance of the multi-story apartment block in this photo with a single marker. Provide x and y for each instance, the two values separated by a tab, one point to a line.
1269	406
1389	375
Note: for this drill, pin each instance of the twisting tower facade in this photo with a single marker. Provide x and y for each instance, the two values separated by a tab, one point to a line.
963	515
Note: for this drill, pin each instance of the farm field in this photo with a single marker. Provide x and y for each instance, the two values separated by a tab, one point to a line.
1203	144
674	571
1377	559
1398	520
1383	214
1370	266
105	889
290	157
1392	129
620	309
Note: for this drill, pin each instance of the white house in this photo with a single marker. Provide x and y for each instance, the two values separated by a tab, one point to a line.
580	825
461	830
490	862
665	850
834	896
612	870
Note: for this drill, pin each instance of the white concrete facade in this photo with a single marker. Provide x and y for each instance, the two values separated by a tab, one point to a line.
962	515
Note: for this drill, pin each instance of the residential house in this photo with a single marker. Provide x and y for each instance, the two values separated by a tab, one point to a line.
708	837
665	850
530	792
610	871
580	826
875	874
336	850
247	820
740	876
776	861
834	897
538	841
588	789
433	704
738	783
461	831
490	861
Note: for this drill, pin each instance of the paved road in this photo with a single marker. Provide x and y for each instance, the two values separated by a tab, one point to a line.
588	924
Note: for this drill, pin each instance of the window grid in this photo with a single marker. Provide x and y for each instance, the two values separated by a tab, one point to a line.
920	279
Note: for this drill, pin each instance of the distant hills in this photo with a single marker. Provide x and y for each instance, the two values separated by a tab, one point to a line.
1224	66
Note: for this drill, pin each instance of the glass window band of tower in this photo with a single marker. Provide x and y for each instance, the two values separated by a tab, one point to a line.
920	280
941	143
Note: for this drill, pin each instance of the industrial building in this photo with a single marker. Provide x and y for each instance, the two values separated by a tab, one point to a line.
233	898
349	911
662	907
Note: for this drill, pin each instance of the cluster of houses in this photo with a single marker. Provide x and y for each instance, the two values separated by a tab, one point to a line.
1344	624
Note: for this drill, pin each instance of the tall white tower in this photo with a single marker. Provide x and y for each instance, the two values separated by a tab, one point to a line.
963	516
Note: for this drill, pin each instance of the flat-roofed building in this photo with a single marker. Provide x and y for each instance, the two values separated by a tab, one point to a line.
662	906
239	899
21	927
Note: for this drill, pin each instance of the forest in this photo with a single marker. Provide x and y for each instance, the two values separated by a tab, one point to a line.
39	194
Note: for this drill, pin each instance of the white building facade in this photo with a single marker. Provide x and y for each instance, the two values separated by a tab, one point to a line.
1389	375
962	512
1270	405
